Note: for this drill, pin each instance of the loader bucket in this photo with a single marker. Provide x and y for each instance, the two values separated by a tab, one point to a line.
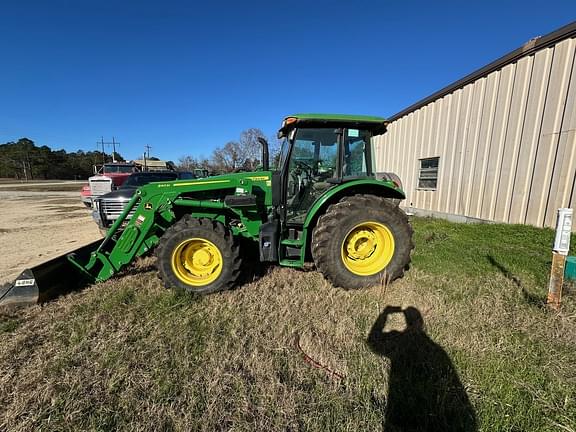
48	280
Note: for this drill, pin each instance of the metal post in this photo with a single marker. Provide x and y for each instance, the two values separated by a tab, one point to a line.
103	153
113	150
560	250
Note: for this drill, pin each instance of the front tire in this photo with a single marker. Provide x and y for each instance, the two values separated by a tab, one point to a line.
199	256
361	241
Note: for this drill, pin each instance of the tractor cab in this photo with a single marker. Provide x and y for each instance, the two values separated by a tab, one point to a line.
320	152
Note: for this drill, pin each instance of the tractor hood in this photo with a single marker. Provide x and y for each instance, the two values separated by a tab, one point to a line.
233	179
225	181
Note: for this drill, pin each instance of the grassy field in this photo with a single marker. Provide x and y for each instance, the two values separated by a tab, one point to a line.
467	345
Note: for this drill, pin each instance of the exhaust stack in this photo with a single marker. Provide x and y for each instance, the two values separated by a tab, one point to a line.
265	154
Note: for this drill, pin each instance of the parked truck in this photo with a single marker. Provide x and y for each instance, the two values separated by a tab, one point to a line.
106	178
108	207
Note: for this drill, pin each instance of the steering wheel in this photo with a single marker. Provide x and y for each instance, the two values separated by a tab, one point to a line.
299	178
305	167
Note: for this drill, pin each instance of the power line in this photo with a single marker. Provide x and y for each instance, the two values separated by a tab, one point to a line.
113	143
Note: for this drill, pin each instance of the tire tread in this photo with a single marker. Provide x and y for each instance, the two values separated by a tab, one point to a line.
329	227
230	253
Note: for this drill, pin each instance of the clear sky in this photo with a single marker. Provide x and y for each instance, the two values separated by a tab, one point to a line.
185	77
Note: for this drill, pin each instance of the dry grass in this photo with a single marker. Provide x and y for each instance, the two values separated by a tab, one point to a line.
130	355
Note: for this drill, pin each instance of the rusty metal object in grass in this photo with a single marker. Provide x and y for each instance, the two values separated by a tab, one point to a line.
556	281
333	374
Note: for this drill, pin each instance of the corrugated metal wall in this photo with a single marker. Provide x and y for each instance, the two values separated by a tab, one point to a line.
506	142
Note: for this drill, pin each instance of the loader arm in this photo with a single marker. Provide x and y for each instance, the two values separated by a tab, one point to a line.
141	233
157	206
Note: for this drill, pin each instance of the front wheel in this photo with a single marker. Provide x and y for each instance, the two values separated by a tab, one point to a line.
198	255
361	241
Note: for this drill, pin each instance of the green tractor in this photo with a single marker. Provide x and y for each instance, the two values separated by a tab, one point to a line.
323	203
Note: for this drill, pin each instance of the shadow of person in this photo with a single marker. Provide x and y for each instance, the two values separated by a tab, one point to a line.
424	391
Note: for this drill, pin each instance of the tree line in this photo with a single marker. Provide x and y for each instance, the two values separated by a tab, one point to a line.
245	154
23	160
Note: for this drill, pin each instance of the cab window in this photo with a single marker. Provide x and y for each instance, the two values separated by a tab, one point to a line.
356	143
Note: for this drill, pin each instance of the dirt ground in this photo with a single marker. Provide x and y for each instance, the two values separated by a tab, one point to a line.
39	221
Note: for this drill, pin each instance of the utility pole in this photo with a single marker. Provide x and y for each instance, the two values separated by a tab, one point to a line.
103	153
146	156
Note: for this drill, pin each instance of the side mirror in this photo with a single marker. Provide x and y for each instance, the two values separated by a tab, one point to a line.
265	155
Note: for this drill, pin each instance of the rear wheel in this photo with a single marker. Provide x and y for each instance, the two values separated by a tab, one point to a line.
361	241
198	255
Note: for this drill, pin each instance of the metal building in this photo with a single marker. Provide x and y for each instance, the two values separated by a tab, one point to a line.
499	145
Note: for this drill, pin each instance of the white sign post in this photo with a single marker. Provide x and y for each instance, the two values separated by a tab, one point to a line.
559	252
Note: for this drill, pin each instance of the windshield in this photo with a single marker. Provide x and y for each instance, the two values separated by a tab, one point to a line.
125	169
137	180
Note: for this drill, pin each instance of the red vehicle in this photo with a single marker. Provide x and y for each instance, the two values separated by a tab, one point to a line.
108	178
86	195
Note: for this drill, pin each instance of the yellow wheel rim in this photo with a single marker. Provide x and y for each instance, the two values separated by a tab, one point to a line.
368	248
197	262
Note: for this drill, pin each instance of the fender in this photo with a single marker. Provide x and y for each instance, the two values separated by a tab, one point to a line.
381	188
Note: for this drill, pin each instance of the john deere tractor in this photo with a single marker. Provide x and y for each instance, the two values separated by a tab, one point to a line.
323	203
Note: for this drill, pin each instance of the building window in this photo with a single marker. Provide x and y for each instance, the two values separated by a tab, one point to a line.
428	174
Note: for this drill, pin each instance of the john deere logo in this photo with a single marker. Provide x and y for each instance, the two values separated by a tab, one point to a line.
148	206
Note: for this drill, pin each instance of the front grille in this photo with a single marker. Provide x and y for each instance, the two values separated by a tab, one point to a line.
112	208
100	187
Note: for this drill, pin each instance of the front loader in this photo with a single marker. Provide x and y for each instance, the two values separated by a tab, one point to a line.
323	203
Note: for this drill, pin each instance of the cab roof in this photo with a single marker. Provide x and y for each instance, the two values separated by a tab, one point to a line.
339	117
375	124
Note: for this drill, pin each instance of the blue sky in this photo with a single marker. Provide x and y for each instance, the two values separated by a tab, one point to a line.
185	77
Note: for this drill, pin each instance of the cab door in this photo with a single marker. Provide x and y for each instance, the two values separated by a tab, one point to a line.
312	168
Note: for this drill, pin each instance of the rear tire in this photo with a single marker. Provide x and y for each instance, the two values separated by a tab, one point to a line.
361	241
199	256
